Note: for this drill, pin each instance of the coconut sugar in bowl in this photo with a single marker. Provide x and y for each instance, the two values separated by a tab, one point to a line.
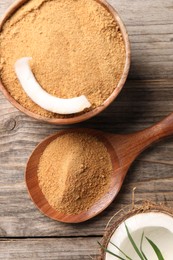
62	61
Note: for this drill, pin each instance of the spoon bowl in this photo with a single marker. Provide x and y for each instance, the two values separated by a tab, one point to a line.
123	150
39	198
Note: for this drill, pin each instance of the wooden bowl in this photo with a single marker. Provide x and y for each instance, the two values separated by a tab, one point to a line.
82	117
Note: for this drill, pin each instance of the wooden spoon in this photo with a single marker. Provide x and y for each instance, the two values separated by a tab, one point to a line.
123	150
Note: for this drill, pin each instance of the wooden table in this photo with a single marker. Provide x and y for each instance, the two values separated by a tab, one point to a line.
147	97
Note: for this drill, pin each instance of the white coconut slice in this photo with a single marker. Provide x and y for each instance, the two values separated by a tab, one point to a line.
157	226
41	97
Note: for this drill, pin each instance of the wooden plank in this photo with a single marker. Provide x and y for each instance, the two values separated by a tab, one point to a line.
140	104
52	249
150	27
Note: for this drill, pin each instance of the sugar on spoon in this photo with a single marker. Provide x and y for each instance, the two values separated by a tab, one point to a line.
123	150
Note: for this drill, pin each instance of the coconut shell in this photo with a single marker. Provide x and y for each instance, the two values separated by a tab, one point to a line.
121	216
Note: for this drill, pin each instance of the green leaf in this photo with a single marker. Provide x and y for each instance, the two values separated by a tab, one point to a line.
156	249
133	244
141	243
121	251
106	250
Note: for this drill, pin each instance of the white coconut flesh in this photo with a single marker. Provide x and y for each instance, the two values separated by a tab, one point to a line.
158	227
38	95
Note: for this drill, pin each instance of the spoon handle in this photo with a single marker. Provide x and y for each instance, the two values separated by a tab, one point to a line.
129	146
158	131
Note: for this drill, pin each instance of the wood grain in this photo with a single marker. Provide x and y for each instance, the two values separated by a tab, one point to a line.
69	249
27	234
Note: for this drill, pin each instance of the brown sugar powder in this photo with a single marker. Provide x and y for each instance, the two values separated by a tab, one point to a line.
76	48
74	172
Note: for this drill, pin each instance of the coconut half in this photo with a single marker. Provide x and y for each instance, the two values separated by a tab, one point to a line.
39	96
157	224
